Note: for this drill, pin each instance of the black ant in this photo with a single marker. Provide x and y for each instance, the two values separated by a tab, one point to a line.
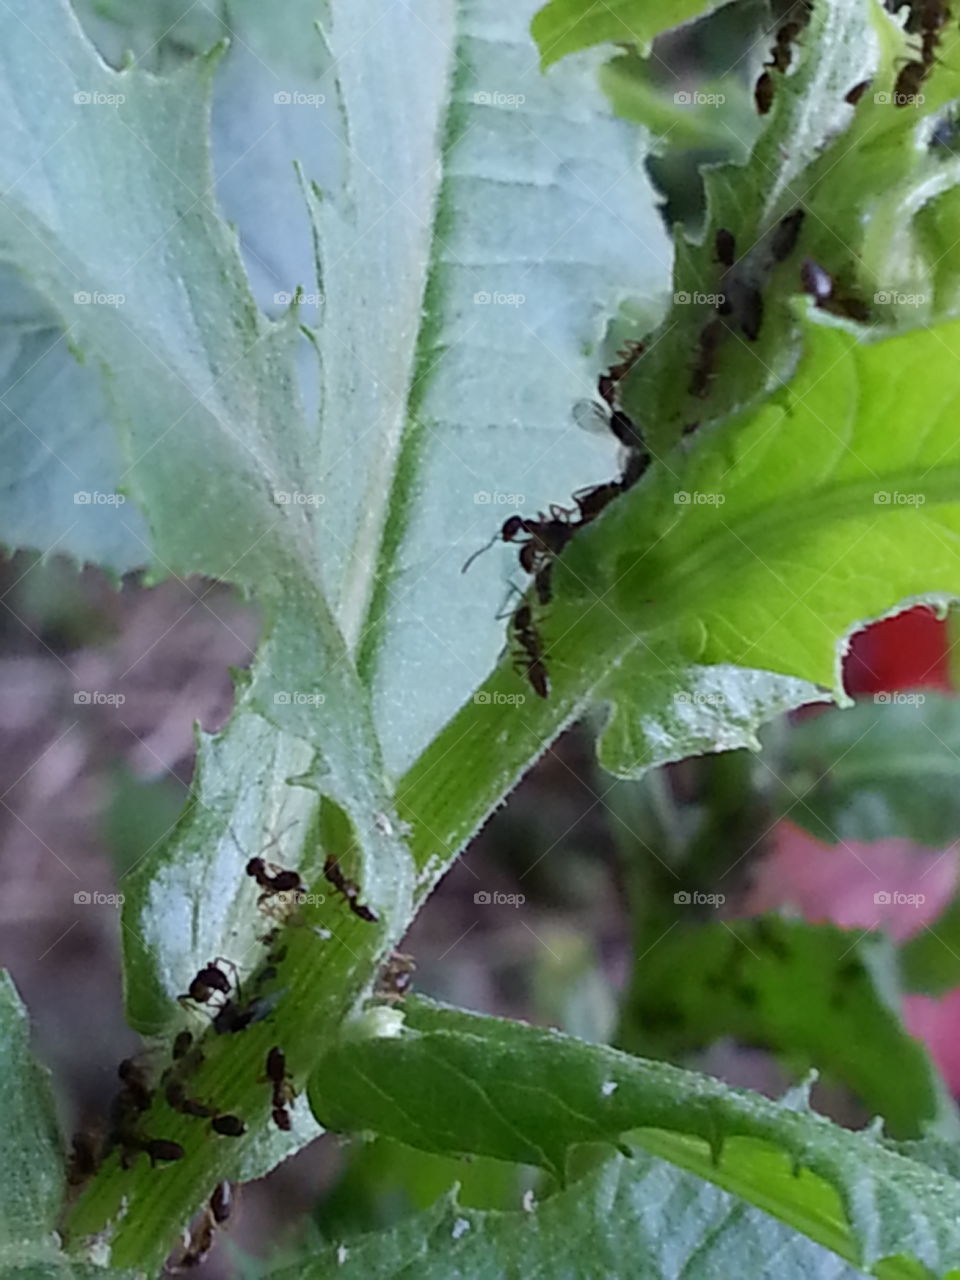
396	977
783	241
349	890
84	1158
233	1017
283	1090
702	375
907	88
136	1093
178	1099
162	1149
228	1126
751	315
531	660
763	93
725	247
200	1240
211	978
221	1202
282	881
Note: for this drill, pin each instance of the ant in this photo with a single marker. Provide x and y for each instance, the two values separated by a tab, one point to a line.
282	881
162	1149
751	316
228	1126
211	978
857	92
283	1090
233	1017
177	1098
763	93
703	374
396	976
725	247
907	88
84	1158
531	660
199	1242
349	889
785	234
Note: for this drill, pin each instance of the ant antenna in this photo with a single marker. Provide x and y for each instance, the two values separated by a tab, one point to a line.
486	547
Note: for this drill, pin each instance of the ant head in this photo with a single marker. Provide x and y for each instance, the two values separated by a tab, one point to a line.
511	527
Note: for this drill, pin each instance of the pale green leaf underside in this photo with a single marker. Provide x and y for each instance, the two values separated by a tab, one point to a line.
457	1082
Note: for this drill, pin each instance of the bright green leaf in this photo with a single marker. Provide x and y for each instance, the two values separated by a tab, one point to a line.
458	1082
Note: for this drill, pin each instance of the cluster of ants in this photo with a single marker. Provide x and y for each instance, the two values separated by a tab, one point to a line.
215	989
781	54
927	20
544	537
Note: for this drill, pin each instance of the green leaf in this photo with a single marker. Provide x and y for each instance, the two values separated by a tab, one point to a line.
930	960
819	995
886	767
565	26
31	1181
540	225
457	1082
665	1222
